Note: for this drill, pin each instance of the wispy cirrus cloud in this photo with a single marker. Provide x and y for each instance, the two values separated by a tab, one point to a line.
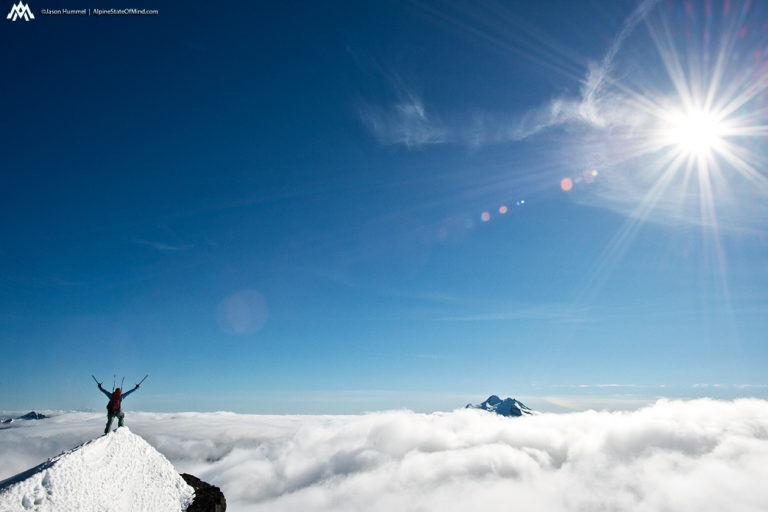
405	122
408	122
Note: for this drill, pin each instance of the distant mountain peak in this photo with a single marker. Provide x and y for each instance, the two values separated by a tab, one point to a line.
32	415
506	407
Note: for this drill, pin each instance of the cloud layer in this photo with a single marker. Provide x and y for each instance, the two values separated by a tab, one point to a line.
701	455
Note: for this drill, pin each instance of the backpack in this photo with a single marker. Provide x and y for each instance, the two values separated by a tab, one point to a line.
114	402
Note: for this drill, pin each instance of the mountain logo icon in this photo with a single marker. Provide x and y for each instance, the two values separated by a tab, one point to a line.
20	10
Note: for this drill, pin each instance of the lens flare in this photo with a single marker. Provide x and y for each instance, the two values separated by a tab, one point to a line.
566	184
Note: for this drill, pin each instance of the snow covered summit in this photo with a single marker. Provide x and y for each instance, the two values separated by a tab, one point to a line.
506	407
116	472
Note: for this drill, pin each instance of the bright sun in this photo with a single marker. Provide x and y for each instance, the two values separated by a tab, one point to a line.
695	132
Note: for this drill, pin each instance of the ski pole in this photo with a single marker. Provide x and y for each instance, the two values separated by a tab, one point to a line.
142	380
97	380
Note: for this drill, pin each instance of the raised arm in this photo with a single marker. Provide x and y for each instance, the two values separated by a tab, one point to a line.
131	391
109	395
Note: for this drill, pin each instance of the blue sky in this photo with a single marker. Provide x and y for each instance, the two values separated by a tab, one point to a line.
298	207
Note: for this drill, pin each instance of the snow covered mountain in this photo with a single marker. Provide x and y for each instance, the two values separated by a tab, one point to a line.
506	407
116	472
32	415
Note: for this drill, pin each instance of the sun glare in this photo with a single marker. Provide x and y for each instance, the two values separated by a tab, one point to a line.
695	133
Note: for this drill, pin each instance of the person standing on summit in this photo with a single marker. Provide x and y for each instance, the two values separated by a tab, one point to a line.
113	407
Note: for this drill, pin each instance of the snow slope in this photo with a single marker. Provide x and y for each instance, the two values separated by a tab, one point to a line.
116	472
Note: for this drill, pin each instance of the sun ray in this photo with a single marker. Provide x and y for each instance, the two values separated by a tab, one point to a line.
690	145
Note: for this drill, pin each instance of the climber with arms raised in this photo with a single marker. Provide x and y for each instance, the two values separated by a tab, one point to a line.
113	407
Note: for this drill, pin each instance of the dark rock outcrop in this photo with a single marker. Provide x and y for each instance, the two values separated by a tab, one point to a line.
208	498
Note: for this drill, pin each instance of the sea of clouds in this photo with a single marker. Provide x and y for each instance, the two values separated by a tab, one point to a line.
700	455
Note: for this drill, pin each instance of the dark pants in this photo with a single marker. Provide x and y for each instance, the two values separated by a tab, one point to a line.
110	416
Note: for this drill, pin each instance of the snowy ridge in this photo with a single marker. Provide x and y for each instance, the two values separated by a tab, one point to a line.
506	407
116	472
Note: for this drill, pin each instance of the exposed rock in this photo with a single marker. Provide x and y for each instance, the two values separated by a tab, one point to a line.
208	498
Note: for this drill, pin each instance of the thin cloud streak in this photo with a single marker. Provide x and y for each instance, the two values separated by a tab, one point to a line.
549	312
406	122
162	246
